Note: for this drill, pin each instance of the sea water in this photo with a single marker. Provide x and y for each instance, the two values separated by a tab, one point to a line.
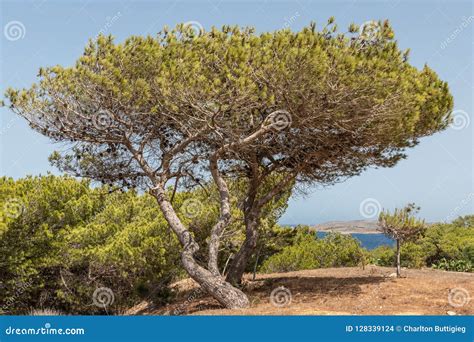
368	241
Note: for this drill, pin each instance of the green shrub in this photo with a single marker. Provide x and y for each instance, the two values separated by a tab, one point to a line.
449	242
454	265
443	246
412	255
383	256
308	252
61	240
127	247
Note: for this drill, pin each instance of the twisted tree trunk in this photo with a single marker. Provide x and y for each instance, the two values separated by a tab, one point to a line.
229	296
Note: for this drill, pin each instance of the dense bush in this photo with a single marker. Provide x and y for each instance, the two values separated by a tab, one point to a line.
62	239
383	256
443	246
450	246
36	215
454	265
449	241
309	252
127	247
412	256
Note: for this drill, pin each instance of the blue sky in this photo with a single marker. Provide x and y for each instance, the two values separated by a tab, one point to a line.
438	174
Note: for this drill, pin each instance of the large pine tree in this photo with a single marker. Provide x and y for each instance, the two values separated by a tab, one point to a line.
276	110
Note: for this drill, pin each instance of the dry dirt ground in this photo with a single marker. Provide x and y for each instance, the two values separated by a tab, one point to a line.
335	291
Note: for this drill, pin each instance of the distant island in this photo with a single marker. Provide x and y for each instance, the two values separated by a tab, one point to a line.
349	227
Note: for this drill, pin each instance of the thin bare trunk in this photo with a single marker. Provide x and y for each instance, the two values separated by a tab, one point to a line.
256	264
227	263
398	259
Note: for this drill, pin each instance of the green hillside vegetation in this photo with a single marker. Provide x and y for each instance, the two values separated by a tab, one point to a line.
308	252
61	239
444	246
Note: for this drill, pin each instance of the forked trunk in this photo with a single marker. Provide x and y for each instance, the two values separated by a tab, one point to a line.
215	285
229	296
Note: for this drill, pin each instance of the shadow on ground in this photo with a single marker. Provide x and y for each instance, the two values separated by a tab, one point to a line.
194	300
